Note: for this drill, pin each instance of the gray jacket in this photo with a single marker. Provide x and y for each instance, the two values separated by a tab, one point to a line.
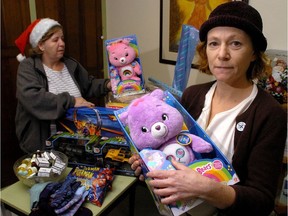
37	106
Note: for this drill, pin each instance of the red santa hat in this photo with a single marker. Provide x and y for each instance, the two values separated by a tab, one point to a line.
34	32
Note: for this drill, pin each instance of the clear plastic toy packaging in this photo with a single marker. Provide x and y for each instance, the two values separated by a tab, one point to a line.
158	128
124	66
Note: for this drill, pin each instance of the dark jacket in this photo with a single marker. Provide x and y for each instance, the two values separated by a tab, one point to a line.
258	150
37	106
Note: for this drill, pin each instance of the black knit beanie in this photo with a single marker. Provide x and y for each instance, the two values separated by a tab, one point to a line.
240	15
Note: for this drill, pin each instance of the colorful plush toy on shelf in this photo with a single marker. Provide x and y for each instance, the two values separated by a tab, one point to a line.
122	56
154	124
276	82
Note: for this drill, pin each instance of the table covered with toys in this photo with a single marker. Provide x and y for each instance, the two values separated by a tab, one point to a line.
18	196
98	142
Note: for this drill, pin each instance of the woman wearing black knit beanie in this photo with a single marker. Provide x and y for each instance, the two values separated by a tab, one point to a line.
246	123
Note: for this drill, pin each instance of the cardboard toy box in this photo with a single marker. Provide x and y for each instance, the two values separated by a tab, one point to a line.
124	66
93	150
90	121
213	165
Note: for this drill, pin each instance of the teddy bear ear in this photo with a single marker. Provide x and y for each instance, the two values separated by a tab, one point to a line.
123	117
157	93
126	41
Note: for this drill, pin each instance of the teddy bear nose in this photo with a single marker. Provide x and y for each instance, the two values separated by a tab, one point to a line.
123	60
159	130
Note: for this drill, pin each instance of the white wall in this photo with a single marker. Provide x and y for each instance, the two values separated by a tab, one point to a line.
141	17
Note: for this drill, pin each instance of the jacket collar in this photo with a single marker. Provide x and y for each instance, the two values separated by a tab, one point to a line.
70	63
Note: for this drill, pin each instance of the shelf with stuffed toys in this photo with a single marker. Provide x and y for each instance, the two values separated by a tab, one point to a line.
276	84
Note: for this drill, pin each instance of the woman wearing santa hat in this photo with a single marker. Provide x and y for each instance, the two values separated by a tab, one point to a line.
48	83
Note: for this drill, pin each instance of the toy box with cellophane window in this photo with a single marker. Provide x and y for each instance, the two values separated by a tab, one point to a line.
124	66
92	137
93	151
213	164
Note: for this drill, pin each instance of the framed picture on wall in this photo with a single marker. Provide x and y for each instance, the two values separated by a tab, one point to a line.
175	13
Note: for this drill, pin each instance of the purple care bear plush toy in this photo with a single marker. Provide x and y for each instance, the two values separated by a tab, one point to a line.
154	124
122	56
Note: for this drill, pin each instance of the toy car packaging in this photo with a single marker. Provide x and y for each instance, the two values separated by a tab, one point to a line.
90	121
124	66
158	128
93	150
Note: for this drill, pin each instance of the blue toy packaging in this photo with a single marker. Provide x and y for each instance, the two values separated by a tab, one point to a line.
212	163
124	66
90	121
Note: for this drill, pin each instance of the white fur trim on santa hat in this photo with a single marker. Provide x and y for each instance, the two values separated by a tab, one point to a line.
40	29
20	57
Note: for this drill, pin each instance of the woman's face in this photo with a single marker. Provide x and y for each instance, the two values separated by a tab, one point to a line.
54	47
229	52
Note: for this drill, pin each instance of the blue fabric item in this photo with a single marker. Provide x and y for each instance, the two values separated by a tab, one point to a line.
78	195
35	191
73	209
63	187
70	194
43	208
65	193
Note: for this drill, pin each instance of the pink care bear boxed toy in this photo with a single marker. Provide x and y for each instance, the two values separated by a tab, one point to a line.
159	128
124	66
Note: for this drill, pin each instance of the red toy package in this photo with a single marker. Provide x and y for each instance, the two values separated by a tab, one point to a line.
97	181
